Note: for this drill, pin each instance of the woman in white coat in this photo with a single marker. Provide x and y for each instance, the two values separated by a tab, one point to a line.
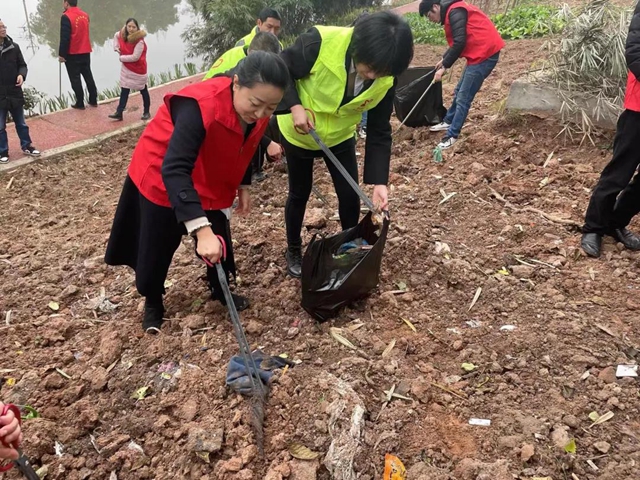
130	45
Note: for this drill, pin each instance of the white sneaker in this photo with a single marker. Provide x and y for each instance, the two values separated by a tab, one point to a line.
4	157
441	127
447	143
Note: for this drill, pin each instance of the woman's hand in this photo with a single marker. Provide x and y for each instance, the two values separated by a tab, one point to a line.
209	246
274	151
244	202
10	434
381	197
301	121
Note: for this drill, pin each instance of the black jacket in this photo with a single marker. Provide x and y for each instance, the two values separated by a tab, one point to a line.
300	58
12	64
458	21
632	51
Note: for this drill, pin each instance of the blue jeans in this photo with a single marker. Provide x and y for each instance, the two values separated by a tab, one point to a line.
465	92
363	122
21	128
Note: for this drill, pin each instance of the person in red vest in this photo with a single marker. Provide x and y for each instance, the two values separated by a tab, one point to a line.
130	45
75	52
616	198
191	161
470	35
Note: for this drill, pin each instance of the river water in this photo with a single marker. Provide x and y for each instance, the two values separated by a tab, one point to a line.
35	26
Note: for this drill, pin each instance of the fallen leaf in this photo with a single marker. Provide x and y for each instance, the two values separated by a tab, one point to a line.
31	413
592	273
64	374
54	306
10	382
604	418
446	196
402	286
204	456
336	334
301	452
606	330
387	351
468	367
503	271
409	324
593	416
599	301
393	468
475	298
571	446
140	393
43	471
544	182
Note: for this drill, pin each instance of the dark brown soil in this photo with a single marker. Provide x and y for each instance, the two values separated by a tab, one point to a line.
575	319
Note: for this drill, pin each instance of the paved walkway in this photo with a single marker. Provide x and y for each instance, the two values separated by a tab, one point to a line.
66	130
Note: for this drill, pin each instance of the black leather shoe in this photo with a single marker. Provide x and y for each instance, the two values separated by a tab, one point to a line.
116	116
77	106
629	239
294	261
591	244
152	320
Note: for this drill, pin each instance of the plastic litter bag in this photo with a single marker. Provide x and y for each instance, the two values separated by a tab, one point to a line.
411	85
333	279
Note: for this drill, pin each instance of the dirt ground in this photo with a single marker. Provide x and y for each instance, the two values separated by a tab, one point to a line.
569	322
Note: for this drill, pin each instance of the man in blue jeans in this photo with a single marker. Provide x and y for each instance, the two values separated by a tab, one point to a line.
471	35
13	71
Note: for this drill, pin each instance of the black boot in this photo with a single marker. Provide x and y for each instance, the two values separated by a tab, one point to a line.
116	116
146	116
629	239
152	321
294	260
591	244
241	302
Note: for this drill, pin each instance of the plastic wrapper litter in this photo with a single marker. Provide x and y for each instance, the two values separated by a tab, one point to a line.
342	268
411	85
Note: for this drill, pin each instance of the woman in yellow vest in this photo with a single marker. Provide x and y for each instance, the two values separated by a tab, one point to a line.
339	73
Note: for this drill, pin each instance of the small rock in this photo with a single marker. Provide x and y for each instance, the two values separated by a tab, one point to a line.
522	271
248	454
420	389
496	368
69	291
254	328
560	436
390	298
571	421
110	348
458	345
511	441
292	332
527	452
203	440
608	375
188	410
194	322
53	382
315	218
232	465
602	447
303	470
111	443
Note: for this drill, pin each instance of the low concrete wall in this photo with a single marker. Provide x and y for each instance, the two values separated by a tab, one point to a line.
530	96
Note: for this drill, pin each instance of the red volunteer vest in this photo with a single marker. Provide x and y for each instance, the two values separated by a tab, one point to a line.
483	39
632	96
224	155
126	48
80	40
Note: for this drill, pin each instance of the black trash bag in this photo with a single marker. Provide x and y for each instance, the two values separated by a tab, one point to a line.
329	283
411	85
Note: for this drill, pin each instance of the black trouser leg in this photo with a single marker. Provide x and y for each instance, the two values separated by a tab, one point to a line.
124	98
348	200
146	99
300	169
73	70
601	215
88	79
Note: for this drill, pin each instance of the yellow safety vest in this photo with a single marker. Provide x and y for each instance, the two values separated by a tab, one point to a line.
227	61
321	93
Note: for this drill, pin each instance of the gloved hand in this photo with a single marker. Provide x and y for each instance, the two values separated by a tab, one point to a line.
238	377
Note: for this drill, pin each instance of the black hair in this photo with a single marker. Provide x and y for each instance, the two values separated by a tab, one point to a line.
426	6
262	67
125	31
72	3
383	42
264	42
268	13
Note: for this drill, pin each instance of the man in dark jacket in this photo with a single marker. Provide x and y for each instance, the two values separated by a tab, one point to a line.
13	72
75	52
616	198
471	35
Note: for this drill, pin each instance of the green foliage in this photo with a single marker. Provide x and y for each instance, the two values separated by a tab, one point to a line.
32	97
107	17
425	31
529	21
221	23
526	21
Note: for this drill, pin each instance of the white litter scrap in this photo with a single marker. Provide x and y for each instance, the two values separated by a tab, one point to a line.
508	328
480	422
627	371
59	448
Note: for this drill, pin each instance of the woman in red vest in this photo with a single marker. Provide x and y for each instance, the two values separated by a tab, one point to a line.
129	43
192	160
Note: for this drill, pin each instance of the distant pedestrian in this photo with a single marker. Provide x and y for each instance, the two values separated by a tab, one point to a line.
129	43
75	52
13	72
